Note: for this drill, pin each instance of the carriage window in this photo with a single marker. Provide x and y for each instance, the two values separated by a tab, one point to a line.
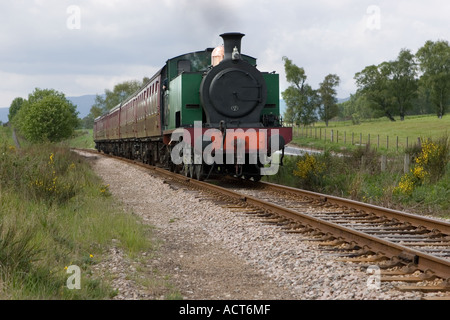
184	66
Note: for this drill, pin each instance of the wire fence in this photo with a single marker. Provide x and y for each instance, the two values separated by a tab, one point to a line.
399	162
339	136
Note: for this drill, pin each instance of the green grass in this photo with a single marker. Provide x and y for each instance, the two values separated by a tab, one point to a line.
382	130
82	139
6	135
55	212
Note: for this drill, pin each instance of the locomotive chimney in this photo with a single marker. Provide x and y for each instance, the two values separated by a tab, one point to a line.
231	41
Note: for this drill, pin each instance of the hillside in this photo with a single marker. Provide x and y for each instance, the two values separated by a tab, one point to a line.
83	103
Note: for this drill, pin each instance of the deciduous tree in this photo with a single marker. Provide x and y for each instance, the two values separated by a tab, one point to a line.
373	82
434	58
47	116
403	85
15	107
328	106
301	100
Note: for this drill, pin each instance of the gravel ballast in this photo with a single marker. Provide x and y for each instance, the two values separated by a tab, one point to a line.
213	253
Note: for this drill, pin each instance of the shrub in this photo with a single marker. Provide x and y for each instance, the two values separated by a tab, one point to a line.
310	170
47	116
429	166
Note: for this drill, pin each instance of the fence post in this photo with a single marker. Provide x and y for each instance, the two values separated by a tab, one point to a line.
383	163
406	163
332	137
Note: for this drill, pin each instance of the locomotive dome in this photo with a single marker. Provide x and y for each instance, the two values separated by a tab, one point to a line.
217	55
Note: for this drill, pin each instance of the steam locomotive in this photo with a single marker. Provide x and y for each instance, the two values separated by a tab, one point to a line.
206	112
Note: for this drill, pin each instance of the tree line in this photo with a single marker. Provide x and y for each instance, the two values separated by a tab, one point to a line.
411	84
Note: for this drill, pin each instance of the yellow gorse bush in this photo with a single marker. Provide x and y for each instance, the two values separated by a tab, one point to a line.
429	165
406	185
309	166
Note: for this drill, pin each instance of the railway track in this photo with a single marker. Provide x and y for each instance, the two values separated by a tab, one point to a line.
360	232
399	246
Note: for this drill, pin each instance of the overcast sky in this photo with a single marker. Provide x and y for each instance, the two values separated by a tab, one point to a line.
85	47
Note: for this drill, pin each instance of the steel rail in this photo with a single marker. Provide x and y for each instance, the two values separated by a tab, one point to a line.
414	220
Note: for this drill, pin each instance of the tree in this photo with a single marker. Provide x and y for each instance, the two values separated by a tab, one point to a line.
373	82
15	107
434	58
328	107
47	116
301	100
403	84
311	103
110	99
119	94
356	108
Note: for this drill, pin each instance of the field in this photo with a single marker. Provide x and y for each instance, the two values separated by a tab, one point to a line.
383	133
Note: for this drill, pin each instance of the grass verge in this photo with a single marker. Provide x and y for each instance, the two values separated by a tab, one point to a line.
56	213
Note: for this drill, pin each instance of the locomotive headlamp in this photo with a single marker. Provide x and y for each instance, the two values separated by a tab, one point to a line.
235	55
